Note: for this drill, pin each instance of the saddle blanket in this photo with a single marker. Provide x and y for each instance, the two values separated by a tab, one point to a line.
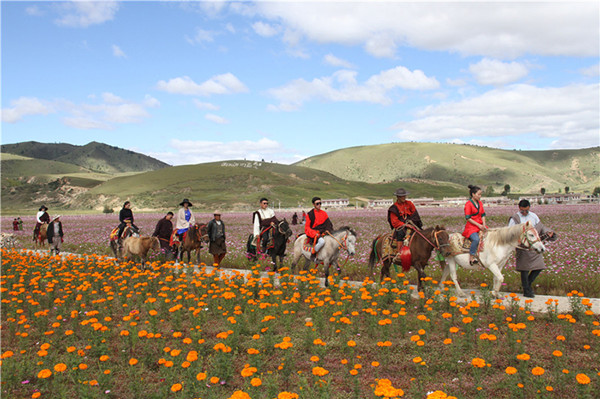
389	250
461	245
308	245
114	234
175	238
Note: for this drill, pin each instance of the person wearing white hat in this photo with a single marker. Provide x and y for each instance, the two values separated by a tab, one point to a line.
216	236
55	235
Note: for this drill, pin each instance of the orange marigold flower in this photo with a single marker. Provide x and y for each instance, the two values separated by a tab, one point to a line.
82	366
351	343
537	371
256	382
104	358
45	373
417	359
523	356
60	367
510	370
478	362
314	358
557	353
36	395
582	379
133	361
214	380
320	371
375	364
201	376
353	372
176	387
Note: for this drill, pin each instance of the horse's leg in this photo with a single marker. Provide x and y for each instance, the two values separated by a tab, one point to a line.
445	273
498	279
326	267
197	256
452	266
420	275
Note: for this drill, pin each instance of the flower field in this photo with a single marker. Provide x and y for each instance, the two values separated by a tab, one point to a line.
84	327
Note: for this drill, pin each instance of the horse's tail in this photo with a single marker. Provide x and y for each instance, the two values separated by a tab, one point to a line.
373	256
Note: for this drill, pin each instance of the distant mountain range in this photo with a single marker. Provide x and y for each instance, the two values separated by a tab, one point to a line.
524	171
94	156
97	175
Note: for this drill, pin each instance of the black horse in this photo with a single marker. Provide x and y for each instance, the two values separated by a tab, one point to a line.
281	234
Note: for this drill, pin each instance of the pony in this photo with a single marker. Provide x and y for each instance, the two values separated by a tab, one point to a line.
498	245
7	240
281	235
421	245
42	238
140	246
116	242
344	238
196	234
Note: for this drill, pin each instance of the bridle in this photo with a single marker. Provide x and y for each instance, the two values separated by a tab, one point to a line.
342	245
524	239
437	244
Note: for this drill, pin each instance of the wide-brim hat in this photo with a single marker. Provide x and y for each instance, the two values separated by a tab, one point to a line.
43	207
401	192
185	200
217	212
55	217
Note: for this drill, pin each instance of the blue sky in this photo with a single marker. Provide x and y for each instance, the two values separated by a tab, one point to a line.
191	82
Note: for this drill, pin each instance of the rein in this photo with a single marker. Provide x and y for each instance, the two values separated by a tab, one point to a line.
435	234
342	245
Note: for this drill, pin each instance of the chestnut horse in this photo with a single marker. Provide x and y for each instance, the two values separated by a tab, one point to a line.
196	234
41	238
421	245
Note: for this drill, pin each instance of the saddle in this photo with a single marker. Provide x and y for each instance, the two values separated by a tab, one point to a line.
127	231
175	238
461	245
265	239
309	244
391	252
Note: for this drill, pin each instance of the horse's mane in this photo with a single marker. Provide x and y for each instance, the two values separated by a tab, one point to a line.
345	229
504	235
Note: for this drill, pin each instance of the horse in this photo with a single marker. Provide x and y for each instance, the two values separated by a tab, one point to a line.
281	234
7	240
421	245
140	246
42	238
344	238
196	234
498	245
116	242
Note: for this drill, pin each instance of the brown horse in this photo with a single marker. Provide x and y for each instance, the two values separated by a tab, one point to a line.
41	239
421	245
140	246
196	234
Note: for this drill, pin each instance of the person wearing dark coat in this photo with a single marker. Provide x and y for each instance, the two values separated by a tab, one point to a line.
294	219
54	234
399	215
125	214
529	262
216	235
163	230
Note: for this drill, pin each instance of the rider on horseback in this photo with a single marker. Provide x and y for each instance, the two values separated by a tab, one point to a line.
475	215
185	218
399	215
42	217
317	225
126	216
264	221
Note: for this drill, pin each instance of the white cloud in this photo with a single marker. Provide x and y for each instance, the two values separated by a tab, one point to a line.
265	30
502	30
216	118
81	14
569	114
24	106
332	60
220	84
34	10
110	98
117	52
201	36
497	73
85	123
342	86
207	106
186	152
591	71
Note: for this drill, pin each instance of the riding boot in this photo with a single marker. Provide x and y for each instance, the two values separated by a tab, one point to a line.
532	276
527	291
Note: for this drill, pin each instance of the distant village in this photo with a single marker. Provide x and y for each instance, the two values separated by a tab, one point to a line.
570	198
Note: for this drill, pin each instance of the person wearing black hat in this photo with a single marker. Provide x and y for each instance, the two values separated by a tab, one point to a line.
42	217
126	216
216	235
399	214
185	218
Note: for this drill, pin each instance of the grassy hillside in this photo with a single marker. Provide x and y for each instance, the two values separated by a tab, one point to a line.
94	156
524	171
240	184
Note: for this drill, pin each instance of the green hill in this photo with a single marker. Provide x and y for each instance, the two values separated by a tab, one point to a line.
97	157
524	171
239	185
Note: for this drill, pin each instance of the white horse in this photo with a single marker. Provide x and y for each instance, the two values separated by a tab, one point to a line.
344	238
497	248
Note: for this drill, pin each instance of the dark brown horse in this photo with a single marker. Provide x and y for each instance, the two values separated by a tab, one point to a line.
196	234
421	245
41	239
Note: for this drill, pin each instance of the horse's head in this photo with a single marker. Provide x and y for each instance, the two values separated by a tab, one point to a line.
350	241
202	232
155	244
442	240
531	239
284	228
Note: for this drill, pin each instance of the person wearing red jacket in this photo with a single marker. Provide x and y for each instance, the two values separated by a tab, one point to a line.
399	214
317	224
475	216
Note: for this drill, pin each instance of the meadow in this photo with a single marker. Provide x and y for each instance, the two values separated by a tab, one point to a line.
85	327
